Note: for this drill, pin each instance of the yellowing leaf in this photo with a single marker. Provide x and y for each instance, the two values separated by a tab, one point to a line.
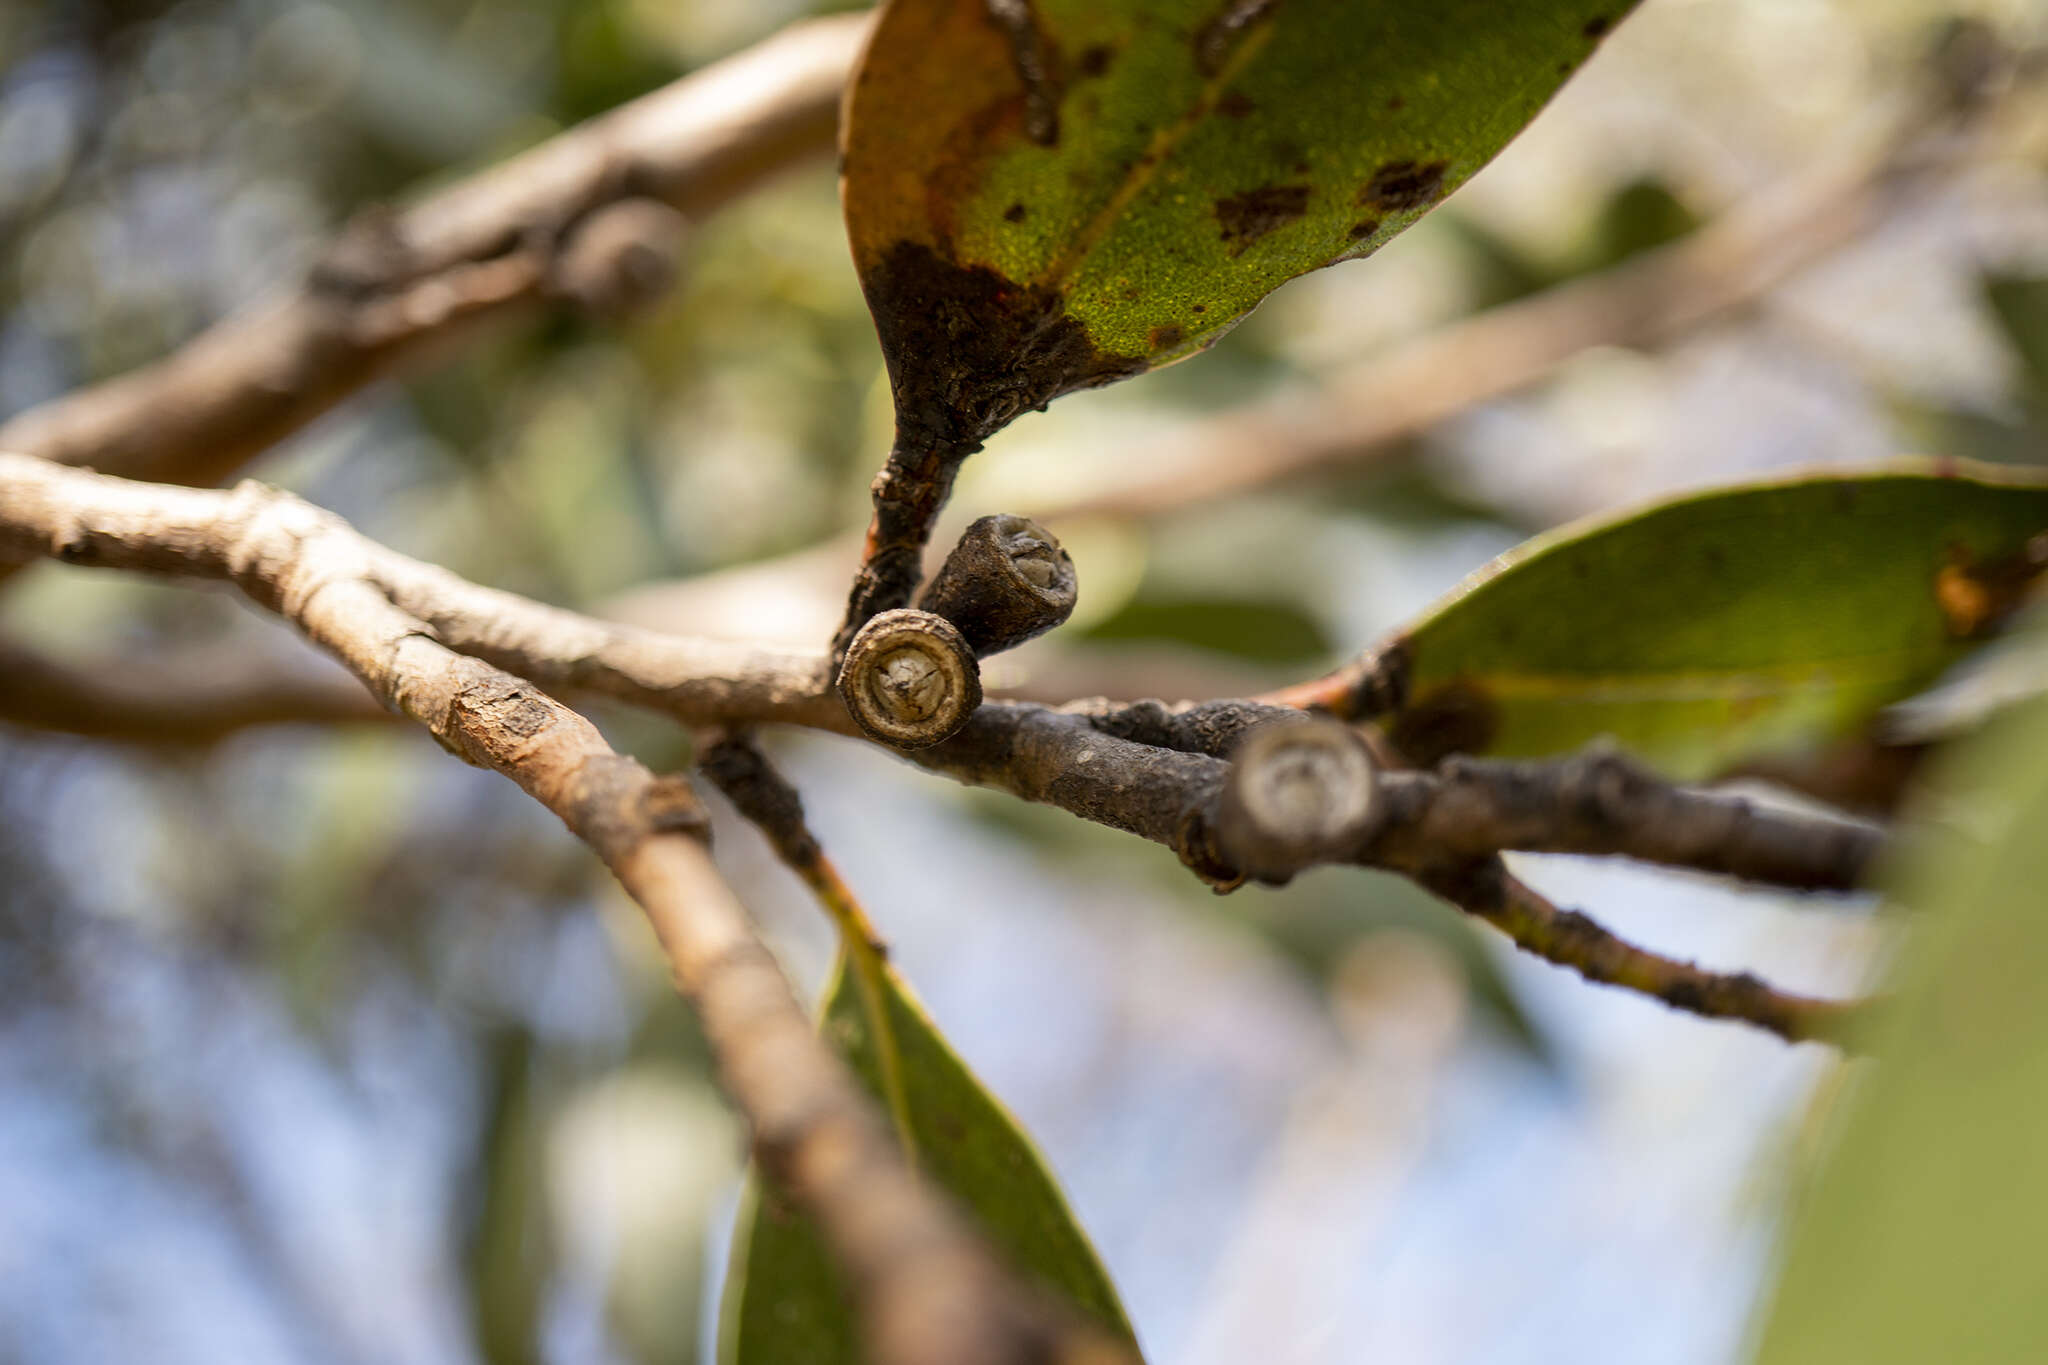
1044	195
1724	626
784	1300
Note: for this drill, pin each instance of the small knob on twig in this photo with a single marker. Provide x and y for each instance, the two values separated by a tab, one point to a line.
1006	582
910	679
1298	793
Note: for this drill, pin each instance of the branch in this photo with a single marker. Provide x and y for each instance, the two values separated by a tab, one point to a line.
99	520
1485	889
1292	795
1601	803
932	1294
1147	768
588	215
736	766
1197	806
195	701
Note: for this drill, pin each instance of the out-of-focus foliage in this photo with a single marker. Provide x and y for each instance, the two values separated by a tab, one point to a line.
1726	627
1918	1238
785	1301
251	999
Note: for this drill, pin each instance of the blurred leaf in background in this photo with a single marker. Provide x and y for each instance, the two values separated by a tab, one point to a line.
258	997
1919	1237
785	1299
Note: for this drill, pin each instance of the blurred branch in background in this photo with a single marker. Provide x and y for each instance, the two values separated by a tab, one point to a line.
1367	411
182	701
1148	770
380	920
580	217
931	1293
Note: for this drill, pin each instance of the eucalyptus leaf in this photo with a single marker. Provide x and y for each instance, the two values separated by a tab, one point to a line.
1044	195
784	1299
2019	304
510	1256
1920	1237
1725	626
1272	631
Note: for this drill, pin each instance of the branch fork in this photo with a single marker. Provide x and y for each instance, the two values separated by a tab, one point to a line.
911	676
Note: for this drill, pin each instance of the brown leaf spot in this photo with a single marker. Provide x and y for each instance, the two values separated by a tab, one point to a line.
1364	228
1455	718
1035	61
1244	218
1597	26
969	349
1014	214
1095	60
1236	104
1165	337
1396	103
1976	599
1400	186
1217	39
1964	603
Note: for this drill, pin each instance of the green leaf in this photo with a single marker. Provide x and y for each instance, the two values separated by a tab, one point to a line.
784	1300
1920	1239
1640	216
1044	195
1725	626
1275	632
2019	303
510	1252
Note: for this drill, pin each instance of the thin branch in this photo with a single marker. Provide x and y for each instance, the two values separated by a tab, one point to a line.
559	220
159	528
932	1294
1485	889
193	701
704	682
1601	803
1080	760
737	767
1147	768
1861	774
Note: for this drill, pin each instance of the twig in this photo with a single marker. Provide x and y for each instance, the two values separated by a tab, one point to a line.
1862	773
1068	758
932	1294
156	527
1600	803
1485	889
1145	767
185	702
737	767
396	284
